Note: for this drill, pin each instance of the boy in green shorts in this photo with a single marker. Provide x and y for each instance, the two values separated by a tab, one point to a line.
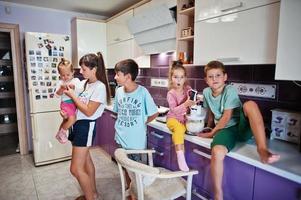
230	122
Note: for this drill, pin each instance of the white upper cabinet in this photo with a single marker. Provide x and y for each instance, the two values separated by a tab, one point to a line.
88	36
117	28
246	37
206	9
289	42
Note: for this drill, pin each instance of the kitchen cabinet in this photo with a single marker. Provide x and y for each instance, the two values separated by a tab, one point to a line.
246	37
185	30
88	36
161	142
271	186
289	43
105	132
238	177
206	9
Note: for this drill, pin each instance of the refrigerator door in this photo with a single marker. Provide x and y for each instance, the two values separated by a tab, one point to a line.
43	53
46	148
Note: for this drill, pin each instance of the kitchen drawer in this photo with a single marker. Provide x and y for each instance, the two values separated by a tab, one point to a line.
162	156
159	138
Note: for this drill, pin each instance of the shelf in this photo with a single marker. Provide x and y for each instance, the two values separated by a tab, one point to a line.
188	65
6	62
5	95
6	78
188	11
8	128
7	110
188	38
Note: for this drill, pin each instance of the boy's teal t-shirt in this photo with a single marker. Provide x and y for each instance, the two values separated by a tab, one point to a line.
132	110
228	99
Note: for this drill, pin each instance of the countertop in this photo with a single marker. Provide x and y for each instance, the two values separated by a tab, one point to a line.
289	165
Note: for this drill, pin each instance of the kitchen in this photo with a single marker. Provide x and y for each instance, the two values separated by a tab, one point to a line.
250	54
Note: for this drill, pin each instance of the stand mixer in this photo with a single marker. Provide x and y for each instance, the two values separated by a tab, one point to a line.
195	120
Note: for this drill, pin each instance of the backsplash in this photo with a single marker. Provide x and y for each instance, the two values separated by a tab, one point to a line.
288	95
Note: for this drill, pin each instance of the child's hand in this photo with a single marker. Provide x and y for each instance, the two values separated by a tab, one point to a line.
69	92
63	114
189	103
206	133
72	86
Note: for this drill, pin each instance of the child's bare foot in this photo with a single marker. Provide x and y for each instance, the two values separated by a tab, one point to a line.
267	157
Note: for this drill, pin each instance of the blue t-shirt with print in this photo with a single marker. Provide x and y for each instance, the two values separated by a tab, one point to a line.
228	99
132	110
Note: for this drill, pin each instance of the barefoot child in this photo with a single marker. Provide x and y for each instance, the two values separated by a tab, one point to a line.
178	101
66	71
231	122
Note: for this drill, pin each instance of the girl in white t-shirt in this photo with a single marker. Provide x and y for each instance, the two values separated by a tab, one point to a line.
66	71
90	105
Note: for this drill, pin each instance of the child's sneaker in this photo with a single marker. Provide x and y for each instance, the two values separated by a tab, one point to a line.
61	136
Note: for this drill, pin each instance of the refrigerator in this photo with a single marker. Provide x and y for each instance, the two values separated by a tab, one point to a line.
43	52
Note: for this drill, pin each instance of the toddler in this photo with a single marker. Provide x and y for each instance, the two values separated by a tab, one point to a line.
66	71
178	101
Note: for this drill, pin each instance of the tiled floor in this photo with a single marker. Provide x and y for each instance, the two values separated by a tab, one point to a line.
21	180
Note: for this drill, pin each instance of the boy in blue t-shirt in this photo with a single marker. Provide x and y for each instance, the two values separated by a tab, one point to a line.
231	122
134	107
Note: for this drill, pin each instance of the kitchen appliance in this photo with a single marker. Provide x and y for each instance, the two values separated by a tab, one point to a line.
286	125
195	120
43	52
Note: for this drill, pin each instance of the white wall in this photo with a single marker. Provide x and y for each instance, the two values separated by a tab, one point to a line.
36	19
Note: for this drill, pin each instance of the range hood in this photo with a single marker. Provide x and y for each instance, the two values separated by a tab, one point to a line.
154	30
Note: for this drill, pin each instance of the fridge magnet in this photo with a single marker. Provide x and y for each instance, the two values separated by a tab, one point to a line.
38	53
40	71
40	64
53	65
54	53
46	65
33	71
44	91
51	95
45	59
40	78
44	96
35	83
32	58
46	78
54	78
42	83
61	54
38	97
54	48
31	52
66	38
39	58
54	59
50	90
33	64
46	41
40	45
48	83
33	78
37	91
61	48
46	71
54	71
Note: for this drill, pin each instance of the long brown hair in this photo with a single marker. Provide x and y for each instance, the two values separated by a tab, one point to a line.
96	60
175	66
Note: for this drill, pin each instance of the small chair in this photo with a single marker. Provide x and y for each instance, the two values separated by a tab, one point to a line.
152	183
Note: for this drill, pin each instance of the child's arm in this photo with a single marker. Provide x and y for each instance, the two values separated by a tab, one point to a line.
178	109
220	125
60	90
152	117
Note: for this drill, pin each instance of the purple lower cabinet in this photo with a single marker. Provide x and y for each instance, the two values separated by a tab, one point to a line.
110	133
272	186
101	125
238	180
162	156
198	158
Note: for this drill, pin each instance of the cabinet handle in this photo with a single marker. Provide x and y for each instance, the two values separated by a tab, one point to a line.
202	153
240	4
156	135
117	39
194	192
229	59
113	116
158	152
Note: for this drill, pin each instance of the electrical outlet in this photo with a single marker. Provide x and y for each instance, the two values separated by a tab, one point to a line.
159	82
256	90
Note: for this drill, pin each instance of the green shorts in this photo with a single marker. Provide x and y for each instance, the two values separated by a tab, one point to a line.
229	136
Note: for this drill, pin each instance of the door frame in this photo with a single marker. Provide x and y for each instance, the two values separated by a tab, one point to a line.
13	29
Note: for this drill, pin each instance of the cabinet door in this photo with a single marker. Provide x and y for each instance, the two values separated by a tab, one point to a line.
111	133
101	127
247	37
88	37
271	186
119	51
117	28
206	9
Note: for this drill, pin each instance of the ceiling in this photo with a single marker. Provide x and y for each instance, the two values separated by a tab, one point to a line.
106	8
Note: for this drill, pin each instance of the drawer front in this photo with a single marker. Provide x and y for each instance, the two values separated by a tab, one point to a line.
159	138
161	157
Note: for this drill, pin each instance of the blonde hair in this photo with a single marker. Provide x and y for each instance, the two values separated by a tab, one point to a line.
175	66
65	63
214	65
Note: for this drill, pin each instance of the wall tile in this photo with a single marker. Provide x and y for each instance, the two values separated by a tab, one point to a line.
290	92
264	73
195	72
239	73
